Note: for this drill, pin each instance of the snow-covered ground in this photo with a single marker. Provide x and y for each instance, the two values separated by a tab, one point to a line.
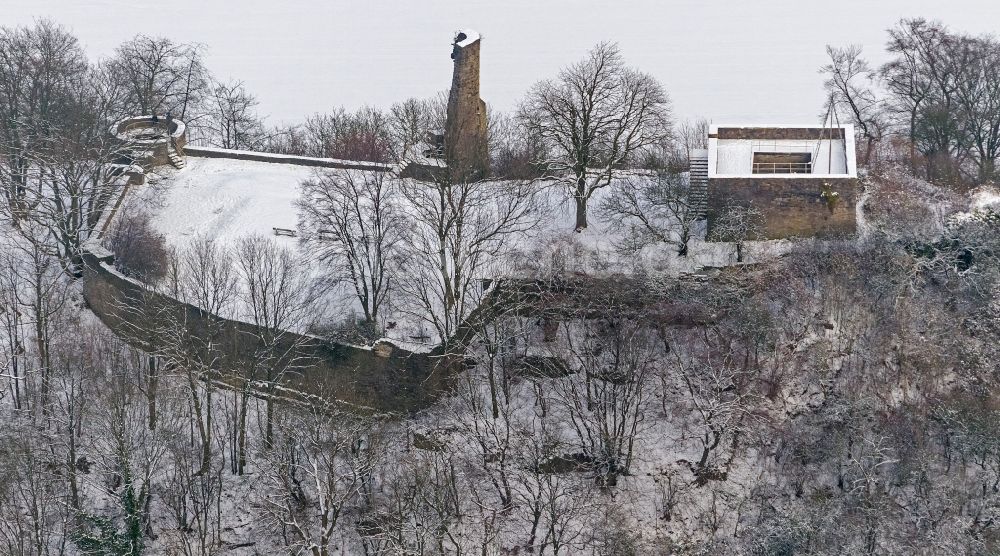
986	197
228	200
224	200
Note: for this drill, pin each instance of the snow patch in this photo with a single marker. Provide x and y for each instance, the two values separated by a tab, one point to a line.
470	37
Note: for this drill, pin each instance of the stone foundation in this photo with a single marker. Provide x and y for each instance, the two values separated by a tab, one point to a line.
792	207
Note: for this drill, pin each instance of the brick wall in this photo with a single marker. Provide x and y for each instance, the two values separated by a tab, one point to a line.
792	207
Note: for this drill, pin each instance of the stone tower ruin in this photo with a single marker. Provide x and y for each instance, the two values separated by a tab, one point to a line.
465	131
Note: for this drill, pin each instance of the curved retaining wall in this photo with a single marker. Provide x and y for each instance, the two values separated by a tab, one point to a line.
387	379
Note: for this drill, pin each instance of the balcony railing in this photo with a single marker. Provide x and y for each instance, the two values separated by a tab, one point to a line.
782	167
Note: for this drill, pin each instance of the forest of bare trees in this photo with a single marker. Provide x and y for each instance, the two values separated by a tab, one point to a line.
836	399
937	99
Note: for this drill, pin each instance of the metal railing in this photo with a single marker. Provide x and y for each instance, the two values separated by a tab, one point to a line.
782	167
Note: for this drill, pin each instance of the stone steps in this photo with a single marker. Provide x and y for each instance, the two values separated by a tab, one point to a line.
698	194
176	161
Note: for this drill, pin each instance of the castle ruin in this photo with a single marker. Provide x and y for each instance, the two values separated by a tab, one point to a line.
465	131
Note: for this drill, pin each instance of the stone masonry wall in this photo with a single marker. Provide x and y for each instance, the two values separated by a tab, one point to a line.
384	379
465	134
205	152
791	207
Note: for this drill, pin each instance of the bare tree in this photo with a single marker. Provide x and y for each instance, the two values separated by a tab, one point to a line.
693	135
68	192
193	499
277	300
978	92
353	220
427	506
411	120
361	135
652	209
13	331
233	122
41	292
58	153
39	67
850	84
321	468
492	437
910	87
514	150
286	139
923	79
606	401
461	234
139	251
720	395
594	118
161	76
737	224
130	457
204	276
31	494
552	504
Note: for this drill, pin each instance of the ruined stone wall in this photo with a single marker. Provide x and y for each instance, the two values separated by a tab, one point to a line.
386	379
792	207
207	152
465	134
155	151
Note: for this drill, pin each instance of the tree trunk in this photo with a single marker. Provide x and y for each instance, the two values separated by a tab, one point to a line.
581	214
151	388
493	389
269	427
241	433
74	490
987	169
43	356
206	447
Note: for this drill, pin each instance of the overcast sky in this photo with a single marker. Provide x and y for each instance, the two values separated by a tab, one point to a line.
727	60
